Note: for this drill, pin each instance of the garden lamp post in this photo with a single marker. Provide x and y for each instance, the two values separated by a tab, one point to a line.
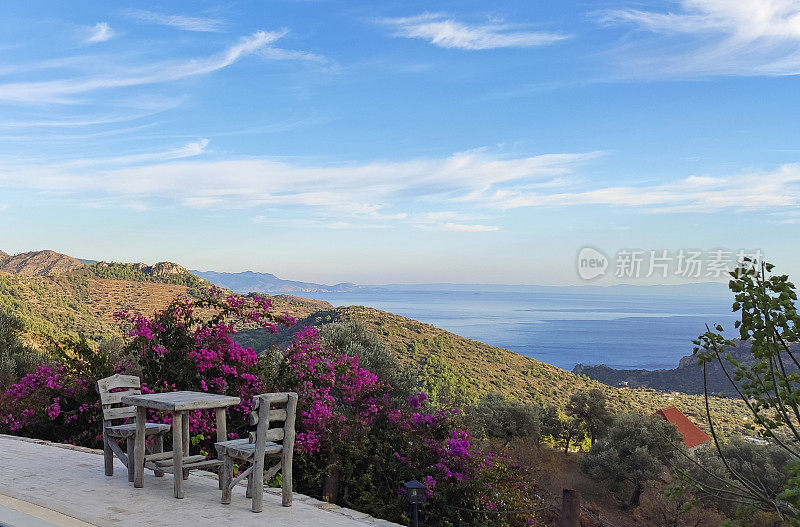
414	496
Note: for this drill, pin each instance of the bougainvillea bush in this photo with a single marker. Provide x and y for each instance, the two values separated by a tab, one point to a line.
356	445
187	346
190	346
57	401
359	438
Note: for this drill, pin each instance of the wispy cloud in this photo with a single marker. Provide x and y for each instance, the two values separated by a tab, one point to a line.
64	90
192	149
465	192
377	193
713	37
450	220
100	32
186	23
448	33
771	191
462	227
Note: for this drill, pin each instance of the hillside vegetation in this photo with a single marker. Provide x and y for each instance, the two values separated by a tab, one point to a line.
453	366
448	367
460	370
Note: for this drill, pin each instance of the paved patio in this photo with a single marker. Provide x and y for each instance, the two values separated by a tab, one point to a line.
44	484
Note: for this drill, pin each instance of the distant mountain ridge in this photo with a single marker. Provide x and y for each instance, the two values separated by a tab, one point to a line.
686	378
698	288
252	282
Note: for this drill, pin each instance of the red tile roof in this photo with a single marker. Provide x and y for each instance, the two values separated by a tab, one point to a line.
692	436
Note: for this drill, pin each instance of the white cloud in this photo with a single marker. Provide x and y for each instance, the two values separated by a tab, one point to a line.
448	33
100	32
776	190
715	37
186	23
470	228
371	194
466	191
188	150
451	221
61	90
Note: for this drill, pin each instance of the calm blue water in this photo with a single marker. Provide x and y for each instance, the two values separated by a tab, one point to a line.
563	329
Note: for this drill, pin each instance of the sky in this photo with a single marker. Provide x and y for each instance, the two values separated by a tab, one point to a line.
404	142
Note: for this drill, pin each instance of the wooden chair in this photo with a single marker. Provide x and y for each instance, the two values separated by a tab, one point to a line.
115	412
262	443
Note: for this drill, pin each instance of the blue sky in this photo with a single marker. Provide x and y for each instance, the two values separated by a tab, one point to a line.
400	142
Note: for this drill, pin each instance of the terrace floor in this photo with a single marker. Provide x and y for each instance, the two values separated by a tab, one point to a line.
44	484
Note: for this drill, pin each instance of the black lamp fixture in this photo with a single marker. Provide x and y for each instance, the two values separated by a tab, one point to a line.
415	496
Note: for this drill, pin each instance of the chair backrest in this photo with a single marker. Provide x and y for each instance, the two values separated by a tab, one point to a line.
273	414
112	390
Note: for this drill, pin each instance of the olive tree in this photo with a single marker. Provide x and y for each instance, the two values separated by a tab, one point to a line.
502	418
591	409
633	452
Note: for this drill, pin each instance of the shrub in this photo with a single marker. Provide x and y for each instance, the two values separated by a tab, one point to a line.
356	445
16	359
187	346
190	346
57	401
634	452
499	418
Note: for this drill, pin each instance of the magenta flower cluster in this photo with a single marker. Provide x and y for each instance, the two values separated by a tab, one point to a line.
343	404
337	395
52	403
192	344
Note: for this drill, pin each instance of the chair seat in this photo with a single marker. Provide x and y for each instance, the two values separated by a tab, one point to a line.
244	449
129	430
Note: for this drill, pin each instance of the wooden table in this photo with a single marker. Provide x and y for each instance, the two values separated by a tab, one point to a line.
178	404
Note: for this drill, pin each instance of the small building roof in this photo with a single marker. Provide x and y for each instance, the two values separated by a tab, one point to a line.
692	435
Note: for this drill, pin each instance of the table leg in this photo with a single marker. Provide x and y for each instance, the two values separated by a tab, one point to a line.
138	448
186	449
222	432
177	453
222	435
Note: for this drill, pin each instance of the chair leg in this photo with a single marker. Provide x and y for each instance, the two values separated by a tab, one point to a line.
108	455
258	494
225	477
286	481
257	482
249	492
158	447
131	457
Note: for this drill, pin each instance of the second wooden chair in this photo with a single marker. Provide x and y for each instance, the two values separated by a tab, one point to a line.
267	441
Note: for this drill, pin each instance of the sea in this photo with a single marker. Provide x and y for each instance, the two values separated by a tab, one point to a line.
626	328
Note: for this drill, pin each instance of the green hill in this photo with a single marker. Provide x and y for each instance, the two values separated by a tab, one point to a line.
83	299
461	370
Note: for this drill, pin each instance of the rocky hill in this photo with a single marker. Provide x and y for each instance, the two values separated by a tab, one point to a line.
687	377
39	263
